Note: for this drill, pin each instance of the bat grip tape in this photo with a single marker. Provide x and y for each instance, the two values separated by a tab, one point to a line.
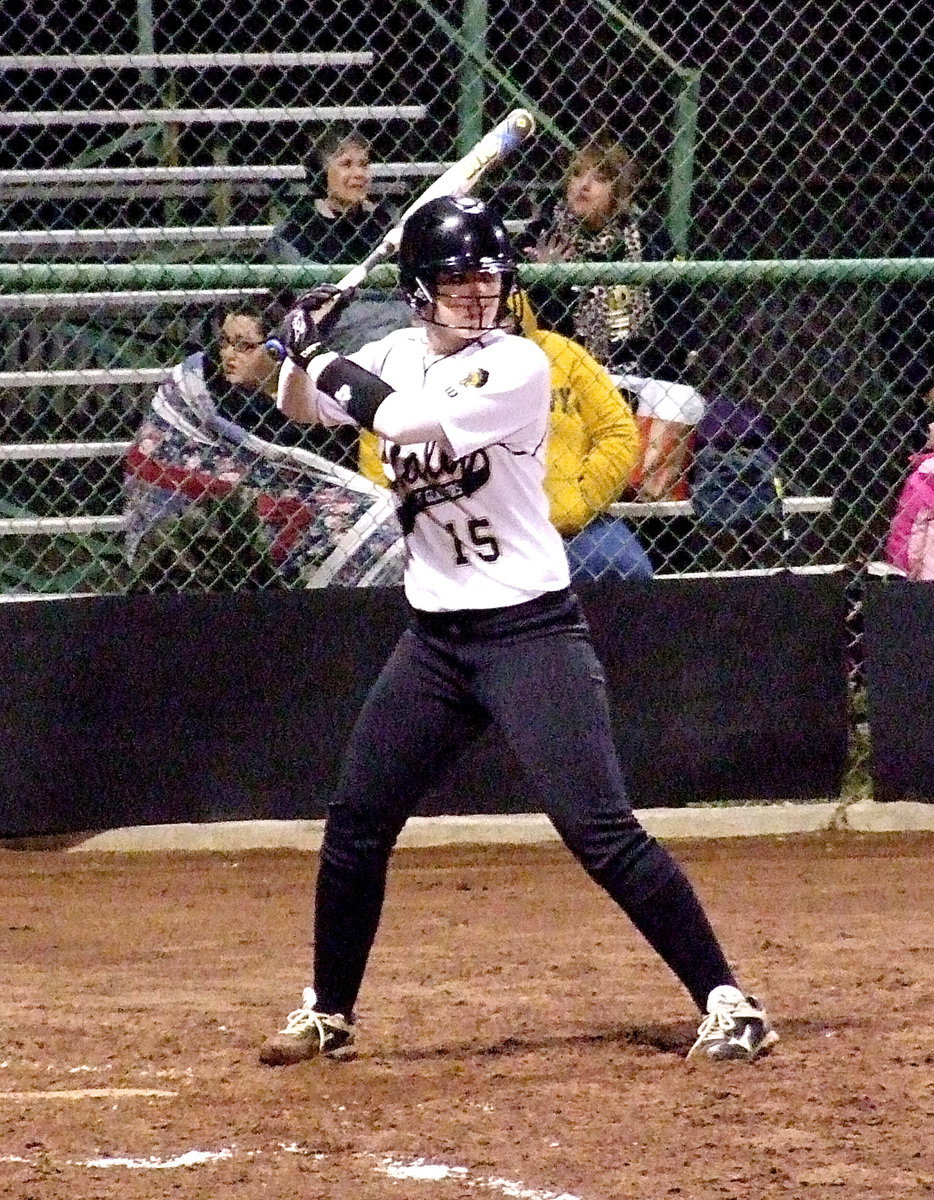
364	393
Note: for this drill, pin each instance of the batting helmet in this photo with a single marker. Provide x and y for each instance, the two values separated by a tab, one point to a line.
453	234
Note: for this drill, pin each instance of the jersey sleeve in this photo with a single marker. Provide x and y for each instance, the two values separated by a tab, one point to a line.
503	396
332	412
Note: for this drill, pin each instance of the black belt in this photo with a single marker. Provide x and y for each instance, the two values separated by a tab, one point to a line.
479	622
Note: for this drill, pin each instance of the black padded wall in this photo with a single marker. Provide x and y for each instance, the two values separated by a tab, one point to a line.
899	630
133	710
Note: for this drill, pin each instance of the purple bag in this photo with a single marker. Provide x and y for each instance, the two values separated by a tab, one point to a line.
910	544
726	422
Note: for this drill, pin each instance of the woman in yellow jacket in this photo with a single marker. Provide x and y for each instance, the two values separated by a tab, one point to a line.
593	447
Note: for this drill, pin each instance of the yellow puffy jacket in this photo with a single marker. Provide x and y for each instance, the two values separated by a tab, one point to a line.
593	440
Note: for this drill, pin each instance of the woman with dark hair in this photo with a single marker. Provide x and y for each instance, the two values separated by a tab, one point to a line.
221	491
342	224
339	223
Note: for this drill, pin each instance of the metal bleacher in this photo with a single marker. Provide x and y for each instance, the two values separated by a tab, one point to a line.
151	182
12	118
168	181
159	183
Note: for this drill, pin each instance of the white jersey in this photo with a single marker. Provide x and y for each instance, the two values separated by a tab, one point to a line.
476	525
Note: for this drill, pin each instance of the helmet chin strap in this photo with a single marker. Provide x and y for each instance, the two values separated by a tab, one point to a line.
422	301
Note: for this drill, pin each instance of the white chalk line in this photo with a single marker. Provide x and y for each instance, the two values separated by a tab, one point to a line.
85	1069
103	1093
422	1170
191	1158
414	1169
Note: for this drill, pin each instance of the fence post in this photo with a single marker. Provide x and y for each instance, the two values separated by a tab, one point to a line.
471	98
681	182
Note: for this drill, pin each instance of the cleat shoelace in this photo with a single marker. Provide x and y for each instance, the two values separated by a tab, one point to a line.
303	1021
721	1021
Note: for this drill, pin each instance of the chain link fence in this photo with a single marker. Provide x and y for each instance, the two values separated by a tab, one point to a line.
159	172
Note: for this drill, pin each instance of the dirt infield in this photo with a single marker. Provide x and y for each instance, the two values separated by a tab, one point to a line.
517	1037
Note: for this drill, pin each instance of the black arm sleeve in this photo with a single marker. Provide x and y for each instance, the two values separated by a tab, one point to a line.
360	392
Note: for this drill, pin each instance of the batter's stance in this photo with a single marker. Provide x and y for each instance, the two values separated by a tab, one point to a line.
495	635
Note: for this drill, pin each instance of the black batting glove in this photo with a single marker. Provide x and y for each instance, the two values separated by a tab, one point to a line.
299	337
307	325
327	297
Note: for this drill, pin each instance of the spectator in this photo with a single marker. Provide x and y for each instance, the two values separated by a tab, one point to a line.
342	223
910	544
241	375
593	449
221	490
645	335
593	445
635	329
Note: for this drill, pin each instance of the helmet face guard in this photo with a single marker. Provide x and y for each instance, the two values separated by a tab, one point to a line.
453	236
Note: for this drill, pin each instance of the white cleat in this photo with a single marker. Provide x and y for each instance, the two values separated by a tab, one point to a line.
308	1033
736	1028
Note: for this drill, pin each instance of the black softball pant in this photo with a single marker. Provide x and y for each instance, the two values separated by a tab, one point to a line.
533	670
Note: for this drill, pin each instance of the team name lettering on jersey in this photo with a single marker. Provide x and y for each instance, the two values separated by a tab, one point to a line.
444	478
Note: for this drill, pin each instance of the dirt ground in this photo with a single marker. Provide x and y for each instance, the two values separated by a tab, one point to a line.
516	1036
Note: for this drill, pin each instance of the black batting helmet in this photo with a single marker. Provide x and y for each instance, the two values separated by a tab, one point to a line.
453	234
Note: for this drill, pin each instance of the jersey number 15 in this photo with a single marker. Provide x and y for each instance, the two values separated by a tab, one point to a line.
478	536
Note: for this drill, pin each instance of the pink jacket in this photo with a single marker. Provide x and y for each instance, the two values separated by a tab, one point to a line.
910	545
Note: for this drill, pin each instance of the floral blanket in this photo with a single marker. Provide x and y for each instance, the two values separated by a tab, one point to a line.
208	501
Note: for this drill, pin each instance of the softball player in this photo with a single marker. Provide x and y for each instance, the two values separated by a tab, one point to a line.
461	408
